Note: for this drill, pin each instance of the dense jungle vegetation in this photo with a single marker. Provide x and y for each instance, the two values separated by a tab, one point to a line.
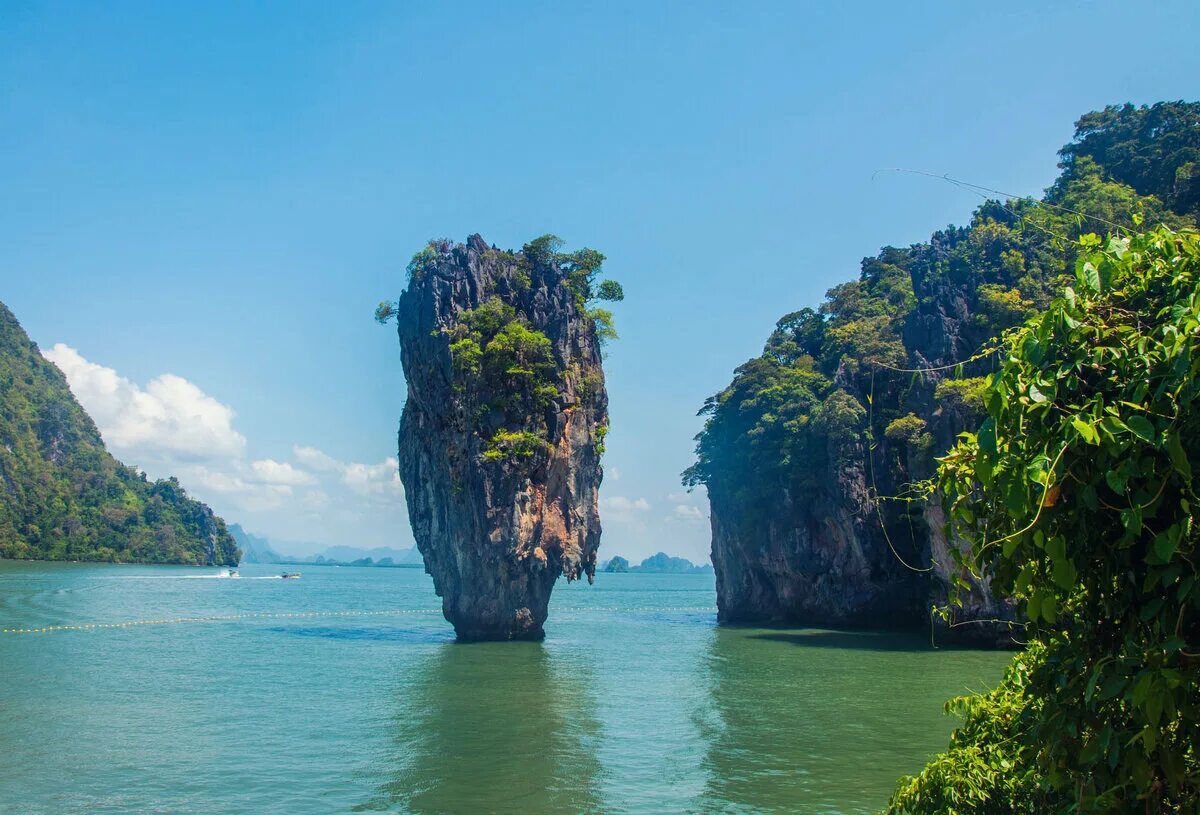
1077	494
64	497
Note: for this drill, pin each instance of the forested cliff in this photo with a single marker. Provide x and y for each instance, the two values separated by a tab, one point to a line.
810	454
64	497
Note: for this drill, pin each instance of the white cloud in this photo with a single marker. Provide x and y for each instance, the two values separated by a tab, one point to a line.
171	427
168	419
621	509
374	479
245	494
623	504
382	479
687	512
689	507
270	471
314	459
613	474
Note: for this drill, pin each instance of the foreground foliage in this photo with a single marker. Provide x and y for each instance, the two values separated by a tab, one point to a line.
64	497
1078	495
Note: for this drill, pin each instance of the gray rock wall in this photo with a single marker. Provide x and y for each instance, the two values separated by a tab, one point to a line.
496	533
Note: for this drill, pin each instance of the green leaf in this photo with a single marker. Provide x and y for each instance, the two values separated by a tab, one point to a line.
1033	607
1114	425
1064	574
1116	480
983	469
1154	706
1086	430
1142	427
1088	276
1164	547
1049	609
1179	458
987	437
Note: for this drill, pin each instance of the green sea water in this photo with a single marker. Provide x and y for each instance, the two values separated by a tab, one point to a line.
344	692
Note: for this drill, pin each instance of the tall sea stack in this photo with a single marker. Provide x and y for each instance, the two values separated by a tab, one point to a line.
501	436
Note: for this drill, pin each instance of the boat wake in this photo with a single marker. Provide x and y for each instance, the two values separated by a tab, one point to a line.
224	574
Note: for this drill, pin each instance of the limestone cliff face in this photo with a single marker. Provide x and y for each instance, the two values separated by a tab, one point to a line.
828	539
815	563
500	439
835	553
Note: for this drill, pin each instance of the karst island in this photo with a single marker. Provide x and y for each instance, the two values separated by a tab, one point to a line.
503	430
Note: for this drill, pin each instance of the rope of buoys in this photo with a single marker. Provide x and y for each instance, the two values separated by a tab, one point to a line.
212	618
273	615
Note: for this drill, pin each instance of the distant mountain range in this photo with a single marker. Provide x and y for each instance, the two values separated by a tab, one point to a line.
660	563
257	549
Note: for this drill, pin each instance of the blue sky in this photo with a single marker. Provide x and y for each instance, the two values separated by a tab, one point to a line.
203	202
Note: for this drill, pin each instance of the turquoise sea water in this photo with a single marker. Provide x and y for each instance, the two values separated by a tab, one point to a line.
635	703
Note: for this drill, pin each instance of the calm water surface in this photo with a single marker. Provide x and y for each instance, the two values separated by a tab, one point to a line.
635	703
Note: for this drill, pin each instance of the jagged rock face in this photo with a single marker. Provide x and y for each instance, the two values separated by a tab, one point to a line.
833	557
827	561
498	514
811	559
838	556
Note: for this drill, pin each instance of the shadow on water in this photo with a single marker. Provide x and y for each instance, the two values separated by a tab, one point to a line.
824	721
855	640
491	727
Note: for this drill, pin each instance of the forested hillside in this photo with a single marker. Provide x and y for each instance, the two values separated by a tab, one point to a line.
64	497
809	454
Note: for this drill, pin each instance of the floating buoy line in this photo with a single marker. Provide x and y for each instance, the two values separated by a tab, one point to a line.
280	615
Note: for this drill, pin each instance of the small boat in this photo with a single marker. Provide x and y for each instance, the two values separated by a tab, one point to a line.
290	576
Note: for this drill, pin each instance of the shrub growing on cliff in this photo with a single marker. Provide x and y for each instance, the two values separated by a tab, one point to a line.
910	431
1078	495
1000	307
385	311
507	445
963	396
494	343
602	319
424	261
582	268
611	291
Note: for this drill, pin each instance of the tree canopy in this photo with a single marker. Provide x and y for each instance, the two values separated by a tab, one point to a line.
1155	149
